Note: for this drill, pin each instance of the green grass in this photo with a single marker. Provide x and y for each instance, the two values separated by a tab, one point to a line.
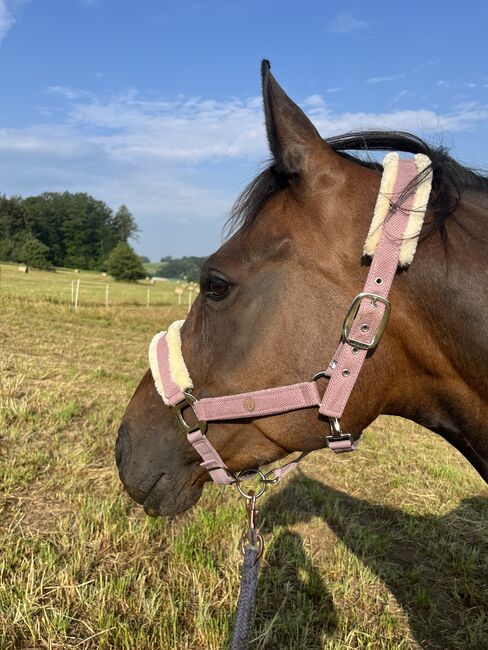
57	288
386	548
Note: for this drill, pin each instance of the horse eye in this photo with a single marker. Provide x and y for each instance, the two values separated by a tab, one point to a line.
217	288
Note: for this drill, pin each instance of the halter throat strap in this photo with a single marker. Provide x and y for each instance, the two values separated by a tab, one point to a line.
391	241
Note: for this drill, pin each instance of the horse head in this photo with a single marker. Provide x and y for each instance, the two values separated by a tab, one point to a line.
270	309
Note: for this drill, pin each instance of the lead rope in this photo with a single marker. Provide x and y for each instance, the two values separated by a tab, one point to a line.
246	605
252	545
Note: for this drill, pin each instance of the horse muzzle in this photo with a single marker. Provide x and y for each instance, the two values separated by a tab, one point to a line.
157	466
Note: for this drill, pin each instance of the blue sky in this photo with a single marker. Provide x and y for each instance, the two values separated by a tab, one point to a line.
156	103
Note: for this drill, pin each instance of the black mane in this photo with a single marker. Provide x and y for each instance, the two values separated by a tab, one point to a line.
449	176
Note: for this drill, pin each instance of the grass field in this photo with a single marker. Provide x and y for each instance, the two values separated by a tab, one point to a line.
384	548
94	289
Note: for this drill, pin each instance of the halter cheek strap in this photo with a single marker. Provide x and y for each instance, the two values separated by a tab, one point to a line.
392	240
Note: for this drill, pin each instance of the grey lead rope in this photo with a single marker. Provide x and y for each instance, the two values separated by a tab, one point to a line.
246	605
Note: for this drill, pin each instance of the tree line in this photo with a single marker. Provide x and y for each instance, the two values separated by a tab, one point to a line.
75	230
63	229
183	268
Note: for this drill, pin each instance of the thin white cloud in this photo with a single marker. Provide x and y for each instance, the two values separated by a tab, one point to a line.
189	131
379	80
424	122
313	101
345	24
401	95
7	21
67	92
457	84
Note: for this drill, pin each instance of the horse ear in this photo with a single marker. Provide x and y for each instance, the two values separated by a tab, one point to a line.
292	137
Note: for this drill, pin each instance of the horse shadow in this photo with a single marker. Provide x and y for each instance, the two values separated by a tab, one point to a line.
293	605
436	567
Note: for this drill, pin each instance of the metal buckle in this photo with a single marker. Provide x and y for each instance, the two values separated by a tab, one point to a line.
352	313
338	436
189	400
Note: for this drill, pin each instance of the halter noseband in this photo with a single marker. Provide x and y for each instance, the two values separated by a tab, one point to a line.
392	241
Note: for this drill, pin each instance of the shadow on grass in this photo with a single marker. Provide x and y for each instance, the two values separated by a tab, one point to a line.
294	608
436	567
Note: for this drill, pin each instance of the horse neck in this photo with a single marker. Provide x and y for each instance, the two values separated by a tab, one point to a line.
442	336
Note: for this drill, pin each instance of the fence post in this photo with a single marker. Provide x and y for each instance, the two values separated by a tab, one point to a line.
72	292
77	293
148	297
106	296
190	292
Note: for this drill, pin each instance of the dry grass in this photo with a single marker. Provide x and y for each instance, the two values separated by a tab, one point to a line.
386	548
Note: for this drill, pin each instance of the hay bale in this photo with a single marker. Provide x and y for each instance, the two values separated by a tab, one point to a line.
23	268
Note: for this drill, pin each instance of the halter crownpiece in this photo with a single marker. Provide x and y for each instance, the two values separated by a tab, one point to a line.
392	241
392	165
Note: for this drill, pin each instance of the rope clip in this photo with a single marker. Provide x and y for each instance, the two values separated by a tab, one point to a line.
251	537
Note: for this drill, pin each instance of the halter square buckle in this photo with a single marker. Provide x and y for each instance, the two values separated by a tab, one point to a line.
352	313
185	426
339	438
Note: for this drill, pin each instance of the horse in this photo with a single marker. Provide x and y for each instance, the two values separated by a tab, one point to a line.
273	297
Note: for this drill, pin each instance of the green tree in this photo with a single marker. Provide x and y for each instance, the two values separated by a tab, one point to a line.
124	264
14	227
125	225
76	227
78	230
34	253
86	229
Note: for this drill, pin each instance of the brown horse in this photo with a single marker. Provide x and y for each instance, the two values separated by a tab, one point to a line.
274	295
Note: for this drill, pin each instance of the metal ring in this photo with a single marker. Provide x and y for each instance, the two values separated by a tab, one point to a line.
257	472
271	481
259	545
320	374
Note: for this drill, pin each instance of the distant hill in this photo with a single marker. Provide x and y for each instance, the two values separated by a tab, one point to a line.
183	268
151	267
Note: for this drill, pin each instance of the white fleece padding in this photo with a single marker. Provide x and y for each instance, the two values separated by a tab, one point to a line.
383	207
417	213
177	367
154	366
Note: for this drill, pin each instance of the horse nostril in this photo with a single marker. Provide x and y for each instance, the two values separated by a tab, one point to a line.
122	446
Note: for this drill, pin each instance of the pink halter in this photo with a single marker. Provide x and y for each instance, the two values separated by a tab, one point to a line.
392	241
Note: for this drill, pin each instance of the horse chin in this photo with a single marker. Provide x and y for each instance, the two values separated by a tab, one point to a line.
169	498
